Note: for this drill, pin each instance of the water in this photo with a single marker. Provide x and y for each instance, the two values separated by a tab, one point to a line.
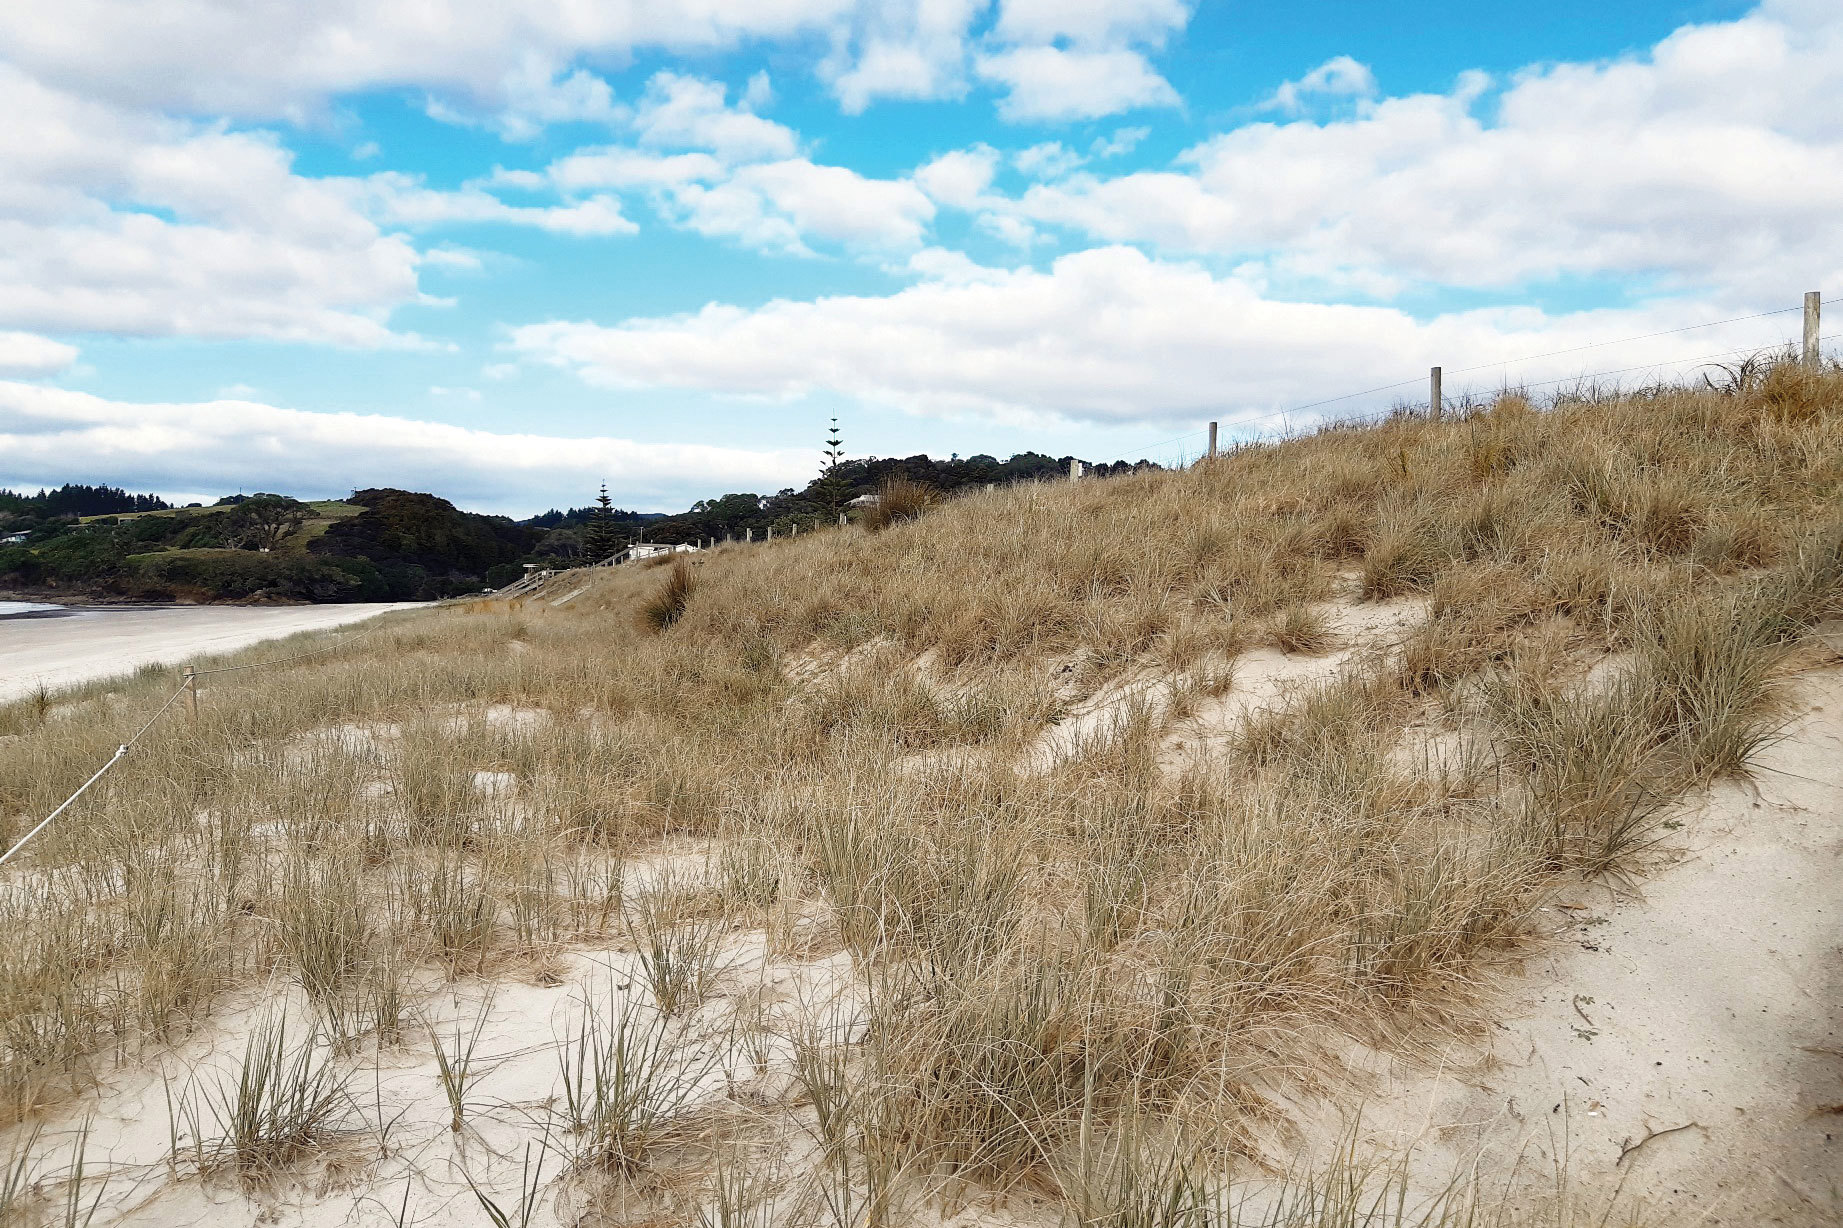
31	609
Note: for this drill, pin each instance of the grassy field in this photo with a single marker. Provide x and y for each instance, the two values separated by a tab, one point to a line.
1077	958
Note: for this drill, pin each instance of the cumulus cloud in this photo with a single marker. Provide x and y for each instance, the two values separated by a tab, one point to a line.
1091	22
30	354
123	222
960	178
1107	335
1079	59
1340	77
51	435
1049	160
533	97
1714	160
778	206
402	200
289	58
1048	84
682	112
910	49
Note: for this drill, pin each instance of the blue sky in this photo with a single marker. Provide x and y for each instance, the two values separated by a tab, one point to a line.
507	251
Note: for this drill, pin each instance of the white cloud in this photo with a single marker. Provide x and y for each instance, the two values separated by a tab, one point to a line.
911	49
535	98
122	222
402	200
1092	23
777	206
1105	335
1049	160
51	435
680	112
1716	160
259	59
630	168
960	178
1122	142
1049	84
1340	77
30	354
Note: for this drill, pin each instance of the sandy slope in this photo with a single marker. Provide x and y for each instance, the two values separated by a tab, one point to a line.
1709	993
101	641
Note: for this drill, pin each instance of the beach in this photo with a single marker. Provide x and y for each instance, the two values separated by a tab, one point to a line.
55	647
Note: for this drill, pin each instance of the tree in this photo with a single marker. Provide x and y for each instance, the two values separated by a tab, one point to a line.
831	491
263	522
600	536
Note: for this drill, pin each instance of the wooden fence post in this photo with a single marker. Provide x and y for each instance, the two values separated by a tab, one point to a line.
841	520
1433	395
1074	469
1212	441
1814	305
191	677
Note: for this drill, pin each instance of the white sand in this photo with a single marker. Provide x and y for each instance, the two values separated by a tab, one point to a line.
1710	993
95	642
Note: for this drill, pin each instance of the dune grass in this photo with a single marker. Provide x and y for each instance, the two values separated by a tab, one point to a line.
1049	949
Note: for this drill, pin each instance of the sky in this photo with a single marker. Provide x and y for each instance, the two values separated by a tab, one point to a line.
508	250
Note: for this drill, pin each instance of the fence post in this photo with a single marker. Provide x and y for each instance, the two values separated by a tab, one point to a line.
748	537
1814	304
191	677
1433	395
1212	441
841	520
1074	469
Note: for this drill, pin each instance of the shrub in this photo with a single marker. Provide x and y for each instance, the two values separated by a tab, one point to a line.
899	499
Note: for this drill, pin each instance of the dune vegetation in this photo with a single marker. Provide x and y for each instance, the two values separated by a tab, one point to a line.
888	873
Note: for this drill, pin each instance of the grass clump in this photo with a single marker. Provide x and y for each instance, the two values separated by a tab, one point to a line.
285	1101
898	500
668	603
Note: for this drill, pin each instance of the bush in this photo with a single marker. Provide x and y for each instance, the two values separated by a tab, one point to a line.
899	499
246	573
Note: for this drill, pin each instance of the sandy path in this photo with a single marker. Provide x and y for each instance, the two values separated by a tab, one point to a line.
101	641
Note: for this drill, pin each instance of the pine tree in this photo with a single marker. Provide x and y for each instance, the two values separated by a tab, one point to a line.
830	491
600	537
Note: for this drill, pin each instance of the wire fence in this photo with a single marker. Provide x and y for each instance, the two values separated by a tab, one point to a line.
189	684
1257	418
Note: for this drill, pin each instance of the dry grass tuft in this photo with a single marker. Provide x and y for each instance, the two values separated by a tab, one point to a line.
667	605
899	500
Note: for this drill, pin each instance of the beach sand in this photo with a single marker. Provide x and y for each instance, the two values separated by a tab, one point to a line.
92	642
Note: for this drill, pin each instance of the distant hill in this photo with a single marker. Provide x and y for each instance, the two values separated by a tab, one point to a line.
397	545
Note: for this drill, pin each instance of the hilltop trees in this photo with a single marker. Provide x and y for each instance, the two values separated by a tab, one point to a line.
263	522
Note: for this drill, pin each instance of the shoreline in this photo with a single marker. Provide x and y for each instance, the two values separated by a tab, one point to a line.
59	650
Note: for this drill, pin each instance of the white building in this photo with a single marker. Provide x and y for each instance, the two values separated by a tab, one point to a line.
647	550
